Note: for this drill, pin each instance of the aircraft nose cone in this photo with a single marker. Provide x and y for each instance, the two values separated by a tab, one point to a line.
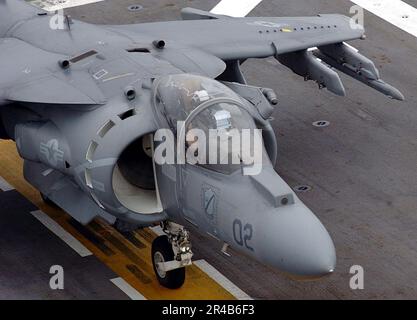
301	244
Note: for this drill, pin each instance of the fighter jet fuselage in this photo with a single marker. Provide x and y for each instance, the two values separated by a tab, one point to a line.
83	104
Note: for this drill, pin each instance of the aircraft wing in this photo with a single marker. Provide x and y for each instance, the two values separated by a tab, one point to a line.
289	40
28	76
241	38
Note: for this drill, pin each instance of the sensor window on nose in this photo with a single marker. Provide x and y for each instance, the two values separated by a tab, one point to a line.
277	194
284	200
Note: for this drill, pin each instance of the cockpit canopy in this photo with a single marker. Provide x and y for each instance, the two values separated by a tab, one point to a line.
207	105
180	95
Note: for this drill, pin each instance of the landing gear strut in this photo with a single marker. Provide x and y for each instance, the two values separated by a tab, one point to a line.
171	253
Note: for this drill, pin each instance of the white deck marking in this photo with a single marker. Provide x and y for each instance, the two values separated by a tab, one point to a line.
4	185
397	12
61	233
235	8
52	5
131	292
222	280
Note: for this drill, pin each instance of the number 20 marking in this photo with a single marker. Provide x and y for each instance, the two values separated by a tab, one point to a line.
242	234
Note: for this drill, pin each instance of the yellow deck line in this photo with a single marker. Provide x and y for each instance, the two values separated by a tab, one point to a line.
133	264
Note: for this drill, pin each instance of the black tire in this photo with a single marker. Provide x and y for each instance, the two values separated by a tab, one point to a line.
48	201
173	279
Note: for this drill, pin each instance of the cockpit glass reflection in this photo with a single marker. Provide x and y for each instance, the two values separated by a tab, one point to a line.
221	123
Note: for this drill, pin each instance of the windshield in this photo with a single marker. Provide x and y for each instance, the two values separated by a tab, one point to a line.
220	123
179	95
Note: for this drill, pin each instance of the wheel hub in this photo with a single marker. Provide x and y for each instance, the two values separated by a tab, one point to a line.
158	259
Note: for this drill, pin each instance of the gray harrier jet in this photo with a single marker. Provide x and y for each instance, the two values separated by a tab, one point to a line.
83	103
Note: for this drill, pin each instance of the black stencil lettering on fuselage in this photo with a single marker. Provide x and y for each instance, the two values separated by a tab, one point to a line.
242	234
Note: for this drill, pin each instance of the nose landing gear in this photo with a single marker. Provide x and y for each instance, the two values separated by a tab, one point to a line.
171	253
